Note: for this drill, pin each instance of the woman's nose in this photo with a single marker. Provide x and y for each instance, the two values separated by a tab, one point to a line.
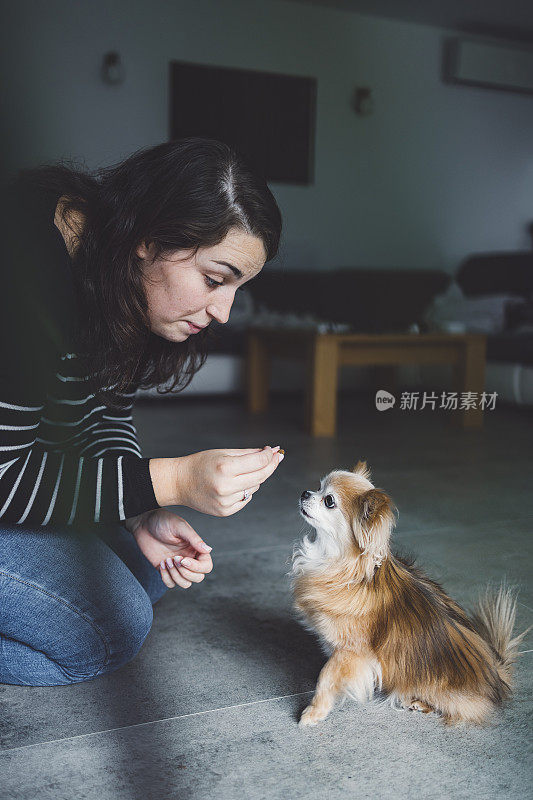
305	495
221	310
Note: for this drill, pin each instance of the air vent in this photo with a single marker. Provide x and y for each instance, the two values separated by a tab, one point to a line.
494	66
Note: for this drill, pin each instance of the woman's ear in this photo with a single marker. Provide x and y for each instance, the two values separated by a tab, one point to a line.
145	250
373	524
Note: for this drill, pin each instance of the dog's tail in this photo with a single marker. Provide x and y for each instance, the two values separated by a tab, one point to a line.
494	619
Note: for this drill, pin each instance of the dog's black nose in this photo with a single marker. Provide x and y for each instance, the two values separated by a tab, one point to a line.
305	495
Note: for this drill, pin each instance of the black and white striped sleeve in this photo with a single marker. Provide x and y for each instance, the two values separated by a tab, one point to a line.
115	433
45	487
46	482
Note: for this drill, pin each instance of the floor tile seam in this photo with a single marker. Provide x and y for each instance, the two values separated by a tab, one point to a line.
154	722
430	529
527	518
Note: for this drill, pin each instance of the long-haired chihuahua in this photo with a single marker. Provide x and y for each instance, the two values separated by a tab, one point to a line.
383	623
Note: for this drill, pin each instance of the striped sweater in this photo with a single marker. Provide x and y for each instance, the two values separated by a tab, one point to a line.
64	458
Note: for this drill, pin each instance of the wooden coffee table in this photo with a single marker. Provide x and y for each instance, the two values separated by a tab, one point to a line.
326	353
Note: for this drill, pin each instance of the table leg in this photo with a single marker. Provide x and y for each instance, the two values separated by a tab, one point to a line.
322	386
257	374
470	377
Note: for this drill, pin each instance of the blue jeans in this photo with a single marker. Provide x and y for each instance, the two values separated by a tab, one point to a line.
73	605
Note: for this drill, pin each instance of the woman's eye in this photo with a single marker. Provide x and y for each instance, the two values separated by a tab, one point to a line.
212	283
329	501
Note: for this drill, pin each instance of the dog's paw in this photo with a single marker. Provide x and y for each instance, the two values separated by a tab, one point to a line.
419	705
309	718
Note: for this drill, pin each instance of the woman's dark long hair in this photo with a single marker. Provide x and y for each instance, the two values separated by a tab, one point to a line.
180	195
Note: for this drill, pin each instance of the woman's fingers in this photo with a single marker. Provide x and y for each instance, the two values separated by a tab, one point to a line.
243	451
238	497
242	482
240	502
188	534
203	563
193	577
249	481
165	577
184	572
253	462
171	576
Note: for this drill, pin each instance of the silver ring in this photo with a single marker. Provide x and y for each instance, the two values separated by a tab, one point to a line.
246	494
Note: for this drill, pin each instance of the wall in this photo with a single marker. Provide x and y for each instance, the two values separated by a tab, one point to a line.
437	172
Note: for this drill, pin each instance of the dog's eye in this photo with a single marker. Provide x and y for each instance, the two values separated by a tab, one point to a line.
329	501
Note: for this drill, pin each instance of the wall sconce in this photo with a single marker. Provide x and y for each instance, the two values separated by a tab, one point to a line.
112	69
363	102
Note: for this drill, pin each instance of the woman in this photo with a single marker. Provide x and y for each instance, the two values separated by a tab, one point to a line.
110	283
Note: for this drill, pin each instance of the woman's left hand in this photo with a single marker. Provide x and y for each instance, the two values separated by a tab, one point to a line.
171	545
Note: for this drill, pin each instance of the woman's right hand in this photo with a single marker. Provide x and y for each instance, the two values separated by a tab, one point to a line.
214	481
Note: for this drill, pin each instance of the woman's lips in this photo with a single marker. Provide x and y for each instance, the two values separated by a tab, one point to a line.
194	328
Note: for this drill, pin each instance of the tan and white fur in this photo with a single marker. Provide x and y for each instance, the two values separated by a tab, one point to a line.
383	623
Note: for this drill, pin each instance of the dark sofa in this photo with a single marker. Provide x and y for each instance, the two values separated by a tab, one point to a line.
386	300
368	300
498	274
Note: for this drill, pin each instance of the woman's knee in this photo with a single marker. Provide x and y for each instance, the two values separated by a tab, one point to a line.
122	634
83	624
126	632
76	643
95	648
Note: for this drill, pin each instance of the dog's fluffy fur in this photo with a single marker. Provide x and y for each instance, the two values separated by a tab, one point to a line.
383	623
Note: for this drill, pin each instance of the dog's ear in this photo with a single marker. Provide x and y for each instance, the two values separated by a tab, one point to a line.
362	469
375	519
372	504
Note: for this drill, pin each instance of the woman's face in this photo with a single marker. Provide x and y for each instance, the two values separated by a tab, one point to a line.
185	291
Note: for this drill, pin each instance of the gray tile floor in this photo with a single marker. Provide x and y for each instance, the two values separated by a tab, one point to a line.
209	706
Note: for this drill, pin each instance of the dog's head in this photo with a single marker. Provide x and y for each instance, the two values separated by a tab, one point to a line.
351	517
